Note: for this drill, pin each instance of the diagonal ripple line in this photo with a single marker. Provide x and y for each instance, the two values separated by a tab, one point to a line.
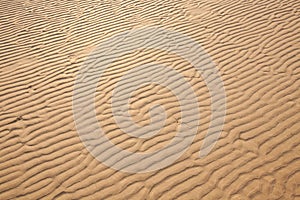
94	138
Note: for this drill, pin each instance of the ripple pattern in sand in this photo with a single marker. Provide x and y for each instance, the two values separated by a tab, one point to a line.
254	44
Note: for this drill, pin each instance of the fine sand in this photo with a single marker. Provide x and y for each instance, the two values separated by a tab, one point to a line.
254	44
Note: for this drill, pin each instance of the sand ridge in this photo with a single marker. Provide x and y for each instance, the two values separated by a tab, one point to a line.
254	44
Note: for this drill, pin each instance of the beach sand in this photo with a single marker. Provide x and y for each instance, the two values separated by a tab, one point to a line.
255	45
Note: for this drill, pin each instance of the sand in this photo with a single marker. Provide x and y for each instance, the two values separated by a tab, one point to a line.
255	45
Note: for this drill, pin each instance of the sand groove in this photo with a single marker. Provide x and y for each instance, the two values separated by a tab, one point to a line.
254	44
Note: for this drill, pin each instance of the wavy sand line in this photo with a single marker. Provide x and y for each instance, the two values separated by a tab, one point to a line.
256	46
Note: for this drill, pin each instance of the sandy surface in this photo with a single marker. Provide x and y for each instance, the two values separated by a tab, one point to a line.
254	44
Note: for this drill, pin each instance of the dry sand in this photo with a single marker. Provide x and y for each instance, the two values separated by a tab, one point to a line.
255	44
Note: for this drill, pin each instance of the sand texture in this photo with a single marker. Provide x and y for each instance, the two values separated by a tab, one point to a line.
255	46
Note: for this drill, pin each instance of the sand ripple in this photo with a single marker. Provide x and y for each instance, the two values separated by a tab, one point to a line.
255	46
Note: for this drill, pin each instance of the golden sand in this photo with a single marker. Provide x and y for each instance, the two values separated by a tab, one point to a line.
254	44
